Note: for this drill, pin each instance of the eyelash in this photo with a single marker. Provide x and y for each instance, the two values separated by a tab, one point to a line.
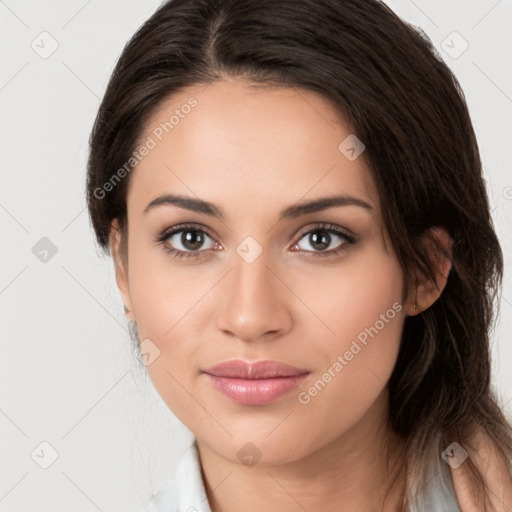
330	228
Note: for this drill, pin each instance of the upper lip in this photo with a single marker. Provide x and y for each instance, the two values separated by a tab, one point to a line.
253	369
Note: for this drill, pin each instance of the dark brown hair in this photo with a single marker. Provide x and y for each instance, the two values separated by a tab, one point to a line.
389	83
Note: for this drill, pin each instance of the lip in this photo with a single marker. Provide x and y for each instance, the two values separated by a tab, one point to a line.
254	383
266	369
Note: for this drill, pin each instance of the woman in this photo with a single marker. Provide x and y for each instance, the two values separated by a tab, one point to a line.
292	194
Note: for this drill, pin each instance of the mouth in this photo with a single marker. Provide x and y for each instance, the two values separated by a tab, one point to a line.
237	368
254	383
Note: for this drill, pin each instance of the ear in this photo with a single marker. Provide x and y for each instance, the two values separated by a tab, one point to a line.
120	271
427	292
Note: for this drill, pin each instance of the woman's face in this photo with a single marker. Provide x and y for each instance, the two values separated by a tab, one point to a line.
258	285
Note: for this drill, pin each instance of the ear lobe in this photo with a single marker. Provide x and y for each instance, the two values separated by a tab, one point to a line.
120	272
427	292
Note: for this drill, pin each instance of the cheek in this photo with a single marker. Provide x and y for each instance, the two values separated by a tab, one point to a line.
362	305
352	296
165	300
163	294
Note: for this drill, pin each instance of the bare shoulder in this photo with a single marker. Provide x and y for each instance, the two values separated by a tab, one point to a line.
493	466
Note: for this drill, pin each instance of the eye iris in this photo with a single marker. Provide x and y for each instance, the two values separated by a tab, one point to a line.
320	242
192	239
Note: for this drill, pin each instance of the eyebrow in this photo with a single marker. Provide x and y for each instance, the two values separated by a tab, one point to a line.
291	212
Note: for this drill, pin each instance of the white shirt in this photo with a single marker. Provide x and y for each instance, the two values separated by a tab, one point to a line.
186	492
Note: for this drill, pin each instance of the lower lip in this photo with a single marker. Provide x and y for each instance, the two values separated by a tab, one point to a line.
255	391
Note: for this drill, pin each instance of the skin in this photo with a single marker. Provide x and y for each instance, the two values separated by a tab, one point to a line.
254	152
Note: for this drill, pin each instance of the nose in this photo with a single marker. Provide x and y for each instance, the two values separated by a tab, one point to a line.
253	301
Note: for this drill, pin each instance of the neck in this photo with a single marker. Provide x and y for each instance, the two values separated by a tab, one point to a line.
353	473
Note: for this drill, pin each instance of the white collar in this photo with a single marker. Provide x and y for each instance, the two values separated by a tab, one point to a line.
186	492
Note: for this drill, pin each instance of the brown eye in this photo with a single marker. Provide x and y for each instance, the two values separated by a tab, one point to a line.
185	241
319	239
190	239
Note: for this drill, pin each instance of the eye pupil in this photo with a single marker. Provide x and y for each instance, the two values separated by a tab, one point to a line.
192	239
320	242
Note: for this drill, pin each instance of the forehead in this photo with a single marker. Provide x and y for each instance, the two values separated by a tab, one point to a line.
229	143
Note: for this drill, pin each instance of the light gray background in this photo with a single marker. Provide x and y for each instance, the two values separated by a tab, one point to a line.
68	376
